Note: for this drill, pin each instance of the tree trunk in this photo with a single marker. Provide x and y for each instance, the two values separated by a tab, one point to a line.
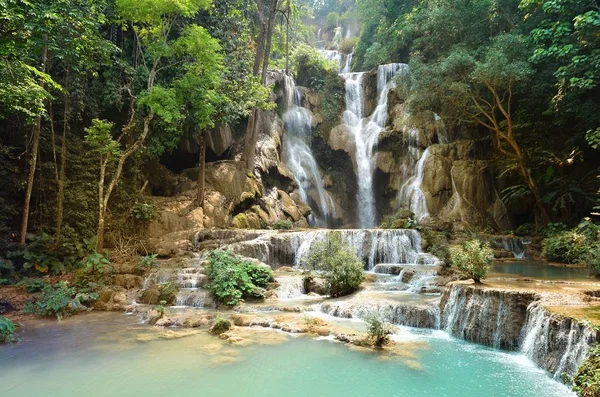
60	196
101	211
269	37
36	133
287	39
249	138
201	169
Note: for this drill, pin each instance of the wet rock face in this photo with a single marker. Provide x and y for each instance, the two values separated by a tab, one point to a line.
517	320
554	342
399	313
486	316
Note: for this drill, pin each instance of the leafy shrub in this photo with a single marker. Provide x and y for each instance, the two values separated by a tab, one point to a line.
378	330
565	247
147	262
586	382
347	45
142	212
578	245
554	228
342	269
59	300
472	259
312	68
7	331
283	225
525	229
436	243
376	55
41	256
233	278
220	325
32	285
402	219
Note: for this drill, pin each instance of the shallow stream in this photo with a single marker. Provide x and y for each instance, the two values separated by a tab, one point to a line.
109	354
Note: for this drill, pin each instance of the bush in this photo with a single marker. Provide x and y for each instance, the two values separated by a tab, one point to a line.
402	219
220	325
378	330
586	382
436	243
59	300
472	259
232	278
525	229
342	269
142	212
7	331
347	45
32	285
312	68
565	247
283	225
580	245
147	262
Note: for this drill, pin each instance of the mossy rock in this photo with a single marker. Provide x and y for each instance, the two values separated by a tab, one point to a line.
240	221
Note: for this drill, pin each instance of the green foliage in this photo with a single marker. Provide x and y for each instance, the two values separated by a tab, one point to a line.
220	325
526	229
342	269
378	330
147	262
402	219
436	243
233	278
59	300
586	382
311	67
7	331
283	225
142	212
348	44
32	285
580	245
472	259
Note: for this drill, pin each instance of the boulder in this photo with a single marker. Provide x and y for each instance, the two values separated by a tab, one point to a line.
232	180
289	206
128	281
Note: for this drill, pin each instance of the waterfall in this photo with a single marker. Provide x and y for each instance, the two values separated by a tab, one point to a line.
334	56
299	158
419	315
517	321
348	64
558	344
290	287
411	194
372	246
366	133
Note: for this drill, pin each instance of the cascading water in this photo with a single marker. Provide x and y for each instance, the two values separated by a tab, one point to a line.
411	195
366	133
299	158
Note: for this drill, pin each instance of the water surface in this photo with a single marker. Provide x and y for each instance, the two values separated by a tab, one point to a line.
109	354
540	270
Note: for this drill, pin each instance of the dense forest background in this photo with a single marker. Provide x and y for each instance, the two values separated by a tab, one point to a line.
94	94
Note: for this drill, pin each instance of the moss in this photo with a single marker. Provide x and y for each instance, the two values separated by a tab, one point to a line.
240	221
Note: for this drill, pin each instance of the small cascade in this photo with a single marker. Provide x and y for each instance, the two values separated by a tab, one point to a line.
513	320
299	158
366	133
290	287
333	56
555	343
411	194
409	314
348	63
190	281
510	244
372	246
